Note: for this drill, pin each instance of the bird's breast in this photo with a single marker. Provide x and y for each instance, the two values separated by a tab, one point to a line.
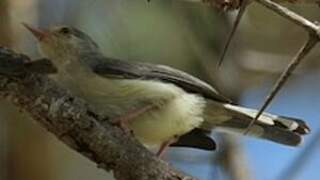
176	112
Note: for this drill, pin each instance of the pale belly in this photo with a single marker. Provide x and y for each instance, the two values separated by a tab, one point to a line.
177	112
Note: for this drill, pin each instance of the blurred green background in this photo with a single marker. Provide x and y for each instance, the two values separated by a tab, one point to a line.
188	36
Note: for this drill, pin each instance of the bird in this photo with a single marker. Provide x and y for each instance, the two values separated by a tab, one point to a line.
161	106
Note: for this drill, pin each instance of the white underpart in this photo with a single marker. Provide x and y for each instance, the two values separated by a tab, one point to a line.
177	112
176	117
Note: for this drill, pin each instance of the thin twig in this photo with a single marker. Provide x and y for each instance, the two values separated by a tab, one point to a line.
292	16
234	4
242	9
312	41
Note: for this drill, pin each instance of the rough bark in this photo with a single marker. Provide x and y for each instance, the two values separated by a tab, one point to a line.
72	121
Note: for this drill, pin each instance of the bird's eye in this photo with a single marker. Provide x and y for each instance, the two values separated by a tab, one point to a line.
65	30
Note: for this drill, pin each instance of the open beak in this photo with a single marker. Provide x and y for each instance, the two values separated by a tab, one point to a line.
40	34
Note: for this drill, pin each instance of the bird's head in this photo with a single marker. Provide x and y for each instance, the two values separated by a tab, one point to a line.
63	42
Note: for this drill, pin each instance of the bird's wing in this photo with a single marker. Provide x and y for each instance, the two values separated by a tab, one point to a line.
113	68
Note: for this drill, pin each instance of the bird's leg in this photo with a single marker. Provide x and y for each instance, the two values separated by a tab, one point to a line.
165	145
123	121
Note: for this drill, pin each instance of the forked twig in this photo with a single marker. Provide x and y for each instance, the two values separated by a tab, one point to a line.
314	37
282	11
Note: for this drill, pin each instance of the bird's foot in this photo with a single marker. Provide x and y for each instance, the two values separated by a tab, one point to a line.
122	124
123	121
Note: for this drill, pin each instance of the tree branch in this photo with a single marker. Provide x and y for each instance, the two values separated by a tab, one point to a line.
235	4
72	121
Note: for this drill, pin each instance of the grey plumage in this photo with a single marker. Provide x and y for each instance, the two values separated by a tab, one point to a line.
115	68
278	131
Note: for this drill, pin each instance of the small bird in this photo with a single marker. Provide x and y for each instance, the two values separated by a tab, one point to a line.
160	105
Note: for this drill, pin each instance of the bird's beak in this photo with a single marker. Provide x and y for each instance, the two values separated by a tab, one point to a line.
40	34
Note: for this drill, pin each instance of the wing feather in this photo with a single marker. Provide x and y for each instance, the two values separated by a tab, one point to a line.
114	68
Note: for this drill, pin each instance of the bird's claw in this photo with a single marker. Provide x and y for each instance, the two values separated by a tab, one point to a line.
122	124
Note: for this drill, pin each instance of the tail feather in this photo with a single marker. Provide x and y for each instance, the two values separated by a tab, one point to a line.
280	129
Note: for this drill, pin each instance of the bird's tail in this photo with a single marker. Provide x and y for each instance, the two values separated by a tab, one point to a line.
280	129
